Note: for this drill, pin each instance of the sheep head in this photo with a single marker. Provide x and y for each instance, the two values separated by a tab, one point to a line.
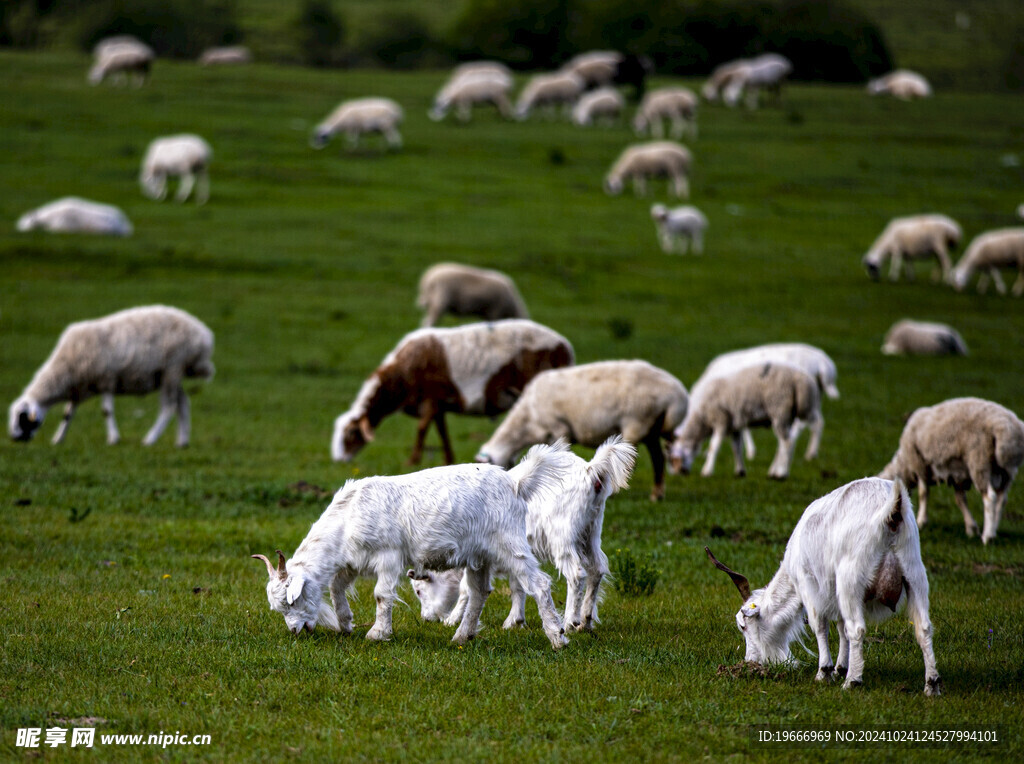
351	433
296	597
24	418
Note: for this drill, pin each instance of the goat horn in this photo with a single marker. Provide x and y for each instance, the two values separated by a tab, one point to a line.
270	565
281	572
741	581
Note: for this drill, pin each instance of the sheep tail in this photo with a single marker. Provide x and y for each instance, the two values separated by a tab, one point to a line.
202	368
541	470
1009	442
613	463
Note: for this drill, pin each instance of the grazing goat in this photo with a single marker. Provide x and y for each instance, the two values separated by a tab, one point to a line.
854	556
914	238
466	291
185	156
470	516
477	369
962	441
988	252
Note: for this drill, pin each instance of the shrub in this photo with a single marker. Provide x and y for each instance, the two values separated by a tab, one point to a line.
320	34
397	41
530	34
633	576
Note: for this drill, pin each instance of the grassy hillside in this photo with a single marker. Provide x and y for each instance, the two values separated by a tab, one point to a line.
148	615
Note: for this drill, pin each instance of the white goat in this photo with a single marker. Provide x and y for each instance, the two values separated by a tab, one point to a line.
679	227
901	83
657	159
549	91
359	117
675	105
470	516
962	441
589	403
71	214
915	237
132	352
231	55
601	105
467	291
764	73
564	529
118	59
854	556
463	92
185	156
988	252
909	337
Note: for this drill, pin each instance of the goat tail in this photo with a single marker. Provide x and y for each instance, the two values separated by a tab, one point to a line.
613	462
894	513
541	470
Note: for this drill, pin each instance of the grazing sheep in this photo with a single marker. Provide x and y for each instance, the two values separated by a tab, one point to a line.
909	337
230	55
597	68
359	117
478	369
765	73
107	44
988	252
675	105
71	214
915	238
603	104
549	91
117	60
901	83
470	516
472	88
185	156
563	529
772	393
588	404
962	441
721	77
657	159
679	227
466	291
132	352
854	556
493	68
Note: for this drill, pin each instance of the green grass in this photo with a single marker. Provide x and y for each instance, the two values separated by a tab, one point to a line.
149	614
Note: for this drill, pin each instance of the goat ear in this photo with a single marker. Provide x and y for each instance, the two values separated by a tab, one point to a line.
410	573
751	610
365	429
294	590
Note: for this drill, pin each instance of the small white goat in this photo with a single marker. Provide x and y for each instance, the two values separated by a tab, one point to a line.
473	87
470	516
549	91
909	337
988	252
231	55
185	156
359	117
71	214
915	238
119	58
854	556
679	227
901	83
676	105
962	441
564	529
601	105
463	290
132	352
657	159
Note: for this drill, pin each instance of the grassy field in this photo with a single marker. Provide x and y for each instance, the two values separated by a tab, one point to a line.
129	599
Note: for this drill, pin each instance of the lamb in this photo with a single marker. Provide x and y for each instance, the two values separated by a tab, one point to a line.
133	352
550	91
988	252
772	393
589	403
464	91
915	237
466	291
493	68
186	156
651	160
604	104
721	77
901	83
468	516
764	73
231	55
71	214
358	117
477	369
962	441
597	68
118	59
564	529
679	227
675	105
854	556
909	337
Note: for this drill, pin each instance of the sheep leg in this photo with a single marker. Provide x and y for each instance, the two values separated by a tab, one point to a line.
916	584
736	441
896	265
922	502
463	112
393	137
1018	285
779	469
185	187
389	571
843	654
819	626
479	587
113	436
517	613
339	585
944	262
428	410
203	187
62	429
698	243
653	443
446	443
597	569
665	239
997	279
537	584
852	610
983	280
680	186
575	581
993	502
817	427
168	405
716	443
748	443
184	411
970	526
640	185
161	192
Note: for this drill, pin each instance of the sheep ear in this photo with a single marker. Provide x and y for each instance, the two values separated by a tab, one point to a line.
294	590
366	429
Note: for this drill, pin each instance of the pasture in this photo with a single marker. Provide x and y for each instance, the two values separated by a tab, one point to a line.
129	596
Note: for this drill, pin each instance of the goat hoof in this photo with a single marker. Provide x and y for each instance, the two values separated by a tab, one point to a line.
841	671
824	673
741	473
851	683
933	686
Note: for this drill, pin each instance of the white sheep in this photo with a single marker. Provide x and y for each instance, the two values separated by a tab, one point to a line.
908	337
185	156
359	117
470	516
962	441
589	403
988	252
596	68
549	91
469	89
721	77
71	214
854	557
477	369
675	105
115	41
765	73
463	290
564	529
656	159
132	352
915	237
121	58
601	105
771	393
679	227
901	83
230	55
